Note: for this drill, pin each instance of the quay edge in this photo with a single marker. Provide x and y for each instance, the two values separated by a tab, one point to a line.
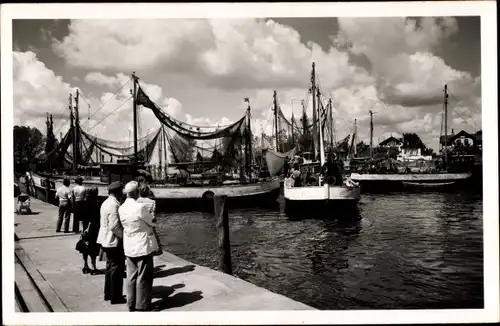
186	286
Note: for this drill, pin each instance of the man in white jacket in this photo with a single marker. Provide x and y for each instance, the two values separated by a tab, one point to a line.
139	243
110	237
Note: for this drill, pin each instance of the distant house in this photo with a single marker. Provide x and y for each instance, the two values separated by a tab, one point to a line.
412	152
405	151
391	142
463	142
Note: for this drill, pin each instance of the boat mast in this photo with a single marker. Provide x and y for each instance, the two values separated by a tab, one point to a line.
72	127
275	102
134	78
371	135
321	142
165	148
77	127
160	154
293	137
313	92
446	125
331	122
249	142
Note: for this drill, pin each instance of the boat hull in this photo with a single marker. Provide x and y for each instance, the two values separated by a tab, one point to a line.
322	201
406	182
189	198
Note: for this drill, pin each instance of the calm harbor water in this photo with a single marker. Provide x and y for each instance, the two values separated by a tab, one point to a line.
403	251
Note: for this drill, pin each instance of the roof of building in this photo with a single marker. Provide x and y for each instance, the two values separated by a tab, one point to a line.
388	140
464	133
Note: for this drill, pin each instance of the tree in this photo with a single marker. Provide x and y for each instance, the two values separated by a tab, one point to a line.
305	140
183	149
412	140
428	151
29	143
362	149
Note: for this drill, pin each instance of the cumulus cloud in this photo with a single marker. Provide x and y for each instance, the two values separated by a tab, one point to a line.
400	51
225	53
37	90
402	80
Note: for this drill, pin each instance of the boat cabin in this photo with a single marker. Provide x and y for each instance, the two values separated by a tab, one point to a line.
120	171
310	167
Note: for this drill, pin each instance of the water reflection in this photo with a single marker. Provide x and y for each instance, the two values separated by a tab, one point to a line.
395	251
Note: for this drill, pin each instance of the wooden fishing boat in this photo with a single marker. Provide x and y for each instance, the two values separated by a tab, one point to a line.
176	197
409	178
428	185
320	198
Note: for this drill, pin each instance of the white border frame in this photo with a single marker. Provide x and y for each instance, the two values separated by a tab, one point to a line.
485	9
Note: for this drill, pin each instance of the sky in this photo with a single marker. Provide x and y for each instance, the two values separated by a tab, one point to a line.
200	70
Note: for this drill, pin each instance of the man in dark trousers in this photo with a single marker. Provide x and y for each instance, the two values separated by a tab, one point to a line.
331	171
111	240
78	196
64	195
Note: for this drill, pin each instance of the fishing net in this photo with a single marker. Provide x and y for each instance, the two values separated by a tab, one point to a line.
223	146
118	149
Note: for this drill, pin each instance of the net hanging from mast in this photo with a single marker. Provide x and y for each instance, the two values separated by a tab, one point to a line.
224	144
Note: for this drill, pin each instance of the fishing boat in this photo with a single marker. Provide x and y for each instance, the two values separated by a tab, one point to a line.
191	194
428	186
406	178
319	198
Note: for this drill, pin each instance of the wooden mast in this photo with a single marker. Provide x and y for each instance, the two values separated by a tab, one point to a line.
165	148
72	127
77	129
134	78
160	154
320	134
331	122
249	143
293	133
315	131
275	102
371	135
446	126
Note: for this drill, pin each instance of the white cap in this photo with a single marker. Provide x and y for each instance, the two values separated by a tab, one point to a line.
130	187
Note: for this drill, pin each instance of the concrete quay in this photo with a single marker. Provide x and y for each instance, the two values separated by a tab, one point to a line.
48	277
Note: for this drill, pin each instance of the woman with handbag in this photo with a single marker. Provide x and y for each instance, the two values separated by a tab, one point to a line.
88	245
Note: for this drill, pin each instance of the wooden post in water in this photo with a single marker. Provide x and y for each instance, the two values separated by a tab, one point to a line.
47	190
221	213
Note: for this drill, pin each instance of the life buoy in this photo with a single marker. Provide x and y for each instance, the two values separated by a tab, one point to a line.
289	182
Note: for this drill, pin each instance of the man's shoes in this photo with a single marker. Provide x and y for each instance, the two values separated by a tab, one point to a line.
66	231
58	231
119	300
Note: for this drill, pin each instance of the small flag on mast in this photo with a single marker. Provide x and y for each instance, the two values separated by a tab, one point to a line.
246	100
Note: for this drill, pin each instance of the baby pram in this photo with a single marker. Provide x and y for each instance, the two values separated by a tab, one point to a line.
23	204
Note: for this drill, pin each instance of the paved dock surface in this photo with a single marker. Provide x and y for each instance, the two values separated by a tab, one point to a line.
49	260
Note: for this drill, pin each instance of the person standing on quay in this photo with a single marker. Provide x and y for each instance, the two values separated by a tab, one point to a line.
64	195
91	227
146	199
78	195
110	238
139	244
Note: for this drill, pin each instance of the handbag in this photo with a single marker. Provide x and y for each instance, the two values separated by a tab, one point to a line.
82	244
153	240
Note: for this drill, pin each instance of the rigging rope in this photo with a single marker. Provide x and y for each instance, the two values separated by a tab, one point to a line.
102	105
119	106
